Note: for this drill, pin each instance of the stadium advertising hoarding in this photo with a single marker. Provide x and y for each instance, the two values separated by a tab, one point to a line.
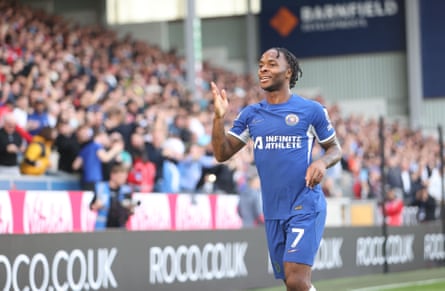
185	212
120	260
314	28
355	251
433	47
199	260
28	212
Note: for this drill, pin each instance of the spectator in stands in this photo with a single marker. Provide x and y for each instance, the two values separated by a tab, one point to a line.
153	146
37	157
191	167
11	146
115	122
95	117
92	155
221	177
134	111
435	184
428	171
53	113
407	180
66	145
374	185
123	157
6	107
38	118
143	172
180	127
426	205
173	151
9	107
5	91
21	110
112	199
250	206
394	206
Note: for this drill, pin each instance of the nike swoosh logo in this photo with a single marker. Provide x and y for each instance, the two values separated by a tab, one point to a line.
255	121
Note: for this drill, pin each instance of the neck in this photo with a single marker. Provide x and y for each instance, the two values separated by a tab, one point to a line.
277	97
113	185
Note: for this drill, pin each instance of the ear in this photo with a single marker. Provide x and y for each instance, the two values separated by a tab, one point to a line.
288	73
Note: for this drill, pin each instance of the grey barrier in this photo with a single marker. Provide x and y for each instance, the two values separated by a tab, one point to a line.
200	260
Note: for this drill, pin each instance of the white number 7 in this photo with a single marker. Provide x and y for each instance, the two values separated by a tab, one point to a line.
300	232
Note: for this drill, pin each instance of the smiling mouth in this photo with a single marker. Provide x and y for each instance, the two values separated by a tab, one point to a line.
264	79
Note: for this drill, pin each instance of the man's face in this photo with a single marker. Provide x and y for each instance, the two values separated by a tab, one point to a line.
40	106
120	177
84	134
273	71
9	125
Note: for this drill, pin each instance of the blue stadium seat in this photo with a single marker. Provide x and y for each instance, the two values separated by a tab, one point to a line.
5	184
65	185
31	184
40	183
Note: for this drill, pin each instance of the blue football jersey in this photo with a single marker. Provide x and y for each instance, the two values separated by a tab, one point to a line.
283	136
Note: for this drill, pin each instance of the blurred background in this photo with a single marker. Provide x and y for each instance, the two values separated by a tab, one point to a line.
88	85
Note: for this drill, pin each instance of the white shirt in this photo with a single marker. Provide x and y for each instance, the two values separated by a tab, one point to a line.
406	181
21	117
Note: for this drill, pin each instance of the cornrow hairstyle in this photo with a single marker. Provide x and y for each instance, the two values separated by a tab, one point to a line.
292	61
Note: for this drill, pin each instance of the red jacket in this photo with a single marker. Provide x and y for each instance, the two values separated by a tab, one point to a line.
142	175
394	211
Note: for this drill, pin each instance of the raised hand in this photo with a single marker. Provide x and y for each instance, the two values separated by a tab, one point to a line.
221	102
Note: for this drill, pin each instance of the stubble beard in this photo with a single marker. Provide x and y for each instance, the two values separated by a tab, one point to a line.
270	89
273	87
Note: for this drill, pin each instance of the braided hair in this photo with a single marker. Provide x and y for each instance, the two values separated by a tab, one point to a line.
292	61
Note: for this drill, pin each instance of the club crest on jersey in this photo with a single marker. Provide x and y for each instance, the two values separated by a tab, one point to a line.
292	119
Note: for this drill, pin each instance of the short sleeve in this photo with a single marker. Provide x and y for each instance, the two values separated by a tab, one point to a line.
324	130
239	128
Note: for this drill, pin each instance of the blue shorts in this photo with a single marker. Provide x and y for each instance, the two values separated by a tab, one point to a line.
294	240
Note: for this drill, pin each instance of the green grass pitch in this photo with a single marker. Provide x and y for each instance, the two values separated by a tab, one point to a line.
426	280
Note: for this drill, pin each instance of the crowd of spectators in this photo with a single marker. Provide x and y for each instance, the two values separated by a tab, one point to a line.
110	100
74	100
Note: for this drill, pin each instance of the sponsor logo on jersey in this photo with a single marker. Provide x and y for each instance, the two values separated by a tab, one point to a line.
278	142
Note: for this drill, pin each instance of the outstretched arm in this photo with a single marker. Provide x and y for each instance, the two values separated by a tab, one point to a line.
224	146
317	169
